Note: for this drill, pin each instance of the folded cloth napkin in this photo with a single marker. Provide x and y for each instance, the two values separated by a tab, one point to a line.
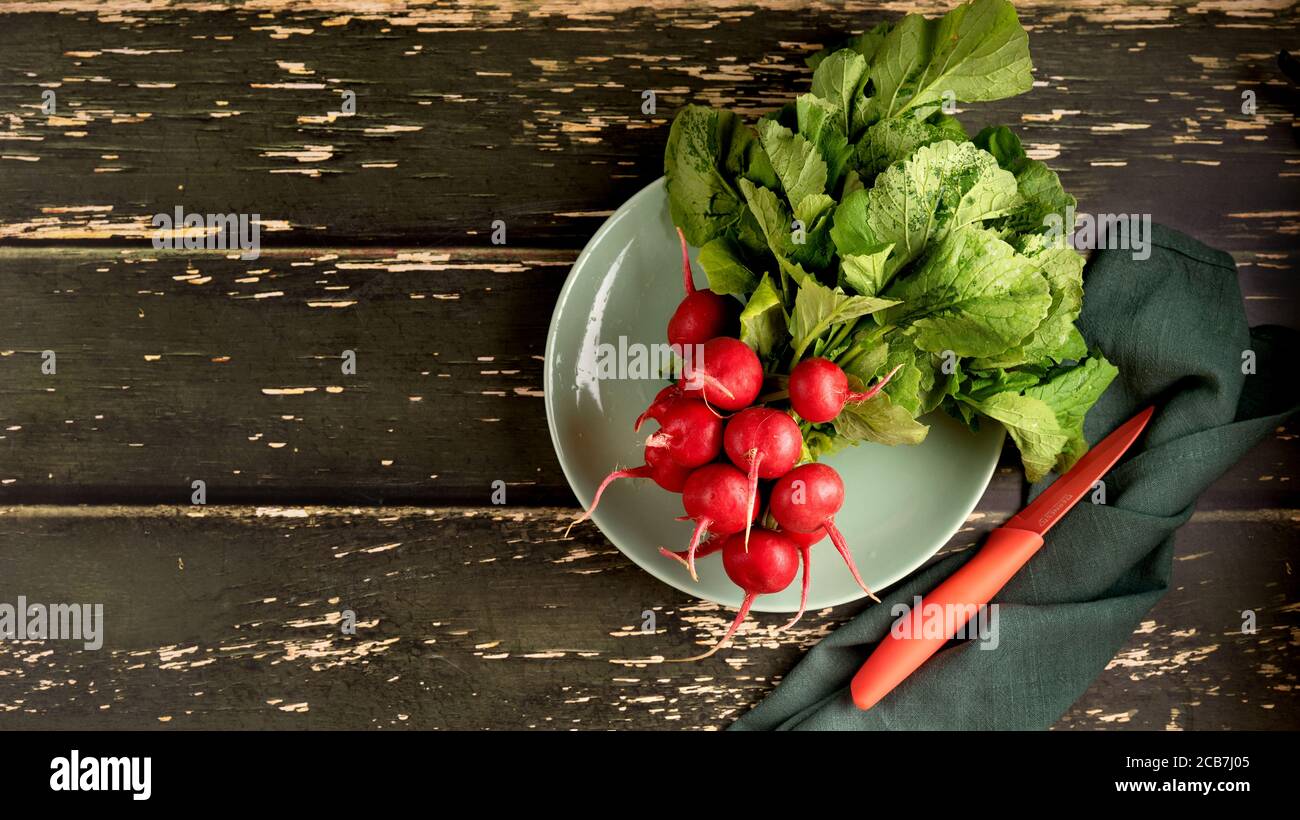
1175	326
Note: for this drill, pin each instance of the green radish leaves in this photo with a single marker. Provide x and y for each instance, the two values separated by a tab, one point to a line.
1046	419
972	295
818	308
727	272
707	151
837	80
881	421
889	141
939	188
860	222
977	52
1041	194
797	162
1055	337
762	322
1032	425
1070	394
864	273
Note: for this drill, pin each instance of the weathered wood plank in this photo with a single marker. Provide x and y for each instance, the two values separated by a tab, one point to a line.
173	366
1189	665
532	114
177	367
181	366
230	618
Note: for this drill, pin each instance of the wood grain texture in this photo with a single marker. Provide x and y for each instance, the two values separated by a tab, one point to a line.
1189	665
487	618
533	115
177	367
174	366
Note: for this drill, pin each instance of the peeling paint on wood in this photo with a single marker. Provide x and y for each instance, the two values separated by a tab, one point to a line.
191	364
466	618
176	366
237	110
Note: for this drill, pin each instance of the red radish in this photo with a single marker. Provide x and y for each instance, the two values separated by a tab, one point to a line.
659	467
708	546
727	374
806	499
805	541
702	315
690	432
767	566
714	498
819	389
765	443
662	401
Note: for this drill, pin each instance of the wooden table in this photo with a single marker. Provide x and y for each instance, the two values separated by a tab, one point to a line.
372	492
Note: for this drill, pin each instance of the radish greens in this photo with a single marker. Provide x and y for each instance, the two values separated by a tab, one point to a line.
861	223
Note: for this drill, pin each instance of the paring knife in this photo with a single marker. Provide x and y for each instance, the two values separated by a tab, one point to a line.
979	579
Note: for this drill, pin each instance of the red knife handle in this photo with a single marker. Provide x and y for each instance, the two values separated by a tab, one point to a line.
969	588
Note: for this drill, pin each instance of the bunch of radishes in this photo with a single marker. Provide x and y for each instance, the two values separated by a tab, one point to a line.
717	439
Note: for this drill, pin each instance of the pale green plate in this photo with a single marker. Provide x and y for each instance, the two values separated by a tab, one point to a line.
903	503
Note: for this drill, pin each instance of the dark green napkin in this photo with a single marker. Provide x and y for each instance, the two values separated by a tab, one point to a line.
1175	326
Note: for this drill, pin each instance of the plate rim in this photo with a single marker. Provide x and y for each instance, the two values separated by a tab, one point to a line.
661	572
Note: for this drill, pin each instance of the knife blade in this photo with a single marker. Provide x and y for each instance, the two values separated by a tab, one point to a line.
948	607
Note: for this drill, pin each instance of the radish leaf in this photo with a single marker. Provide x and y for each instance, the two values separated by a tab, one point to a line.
972	295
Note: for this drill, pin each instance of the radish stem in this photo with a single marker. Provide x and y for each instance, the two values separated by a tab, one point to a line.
868	395
687	276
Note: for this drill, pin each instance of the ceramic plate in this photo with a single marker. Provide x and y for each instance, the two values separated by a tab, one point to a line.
903	503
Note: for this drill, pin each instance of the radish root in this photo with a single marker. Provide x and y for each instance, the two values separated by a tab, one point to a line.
754	459
640	420
740	619
712	409
707	547
838	540
804	557
700	527
698	381
633	472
